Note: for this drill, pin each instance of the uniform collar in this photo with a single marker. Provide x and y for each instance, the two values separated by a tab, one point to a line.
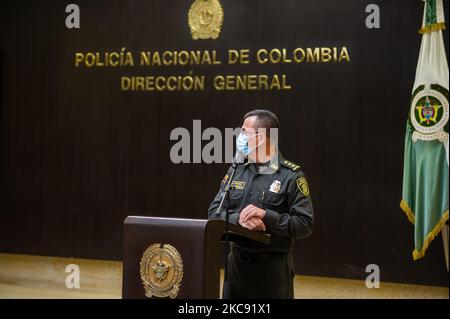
267	168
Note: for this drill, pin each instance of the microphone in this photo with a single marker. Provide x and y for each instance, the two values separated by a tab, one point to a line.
239	157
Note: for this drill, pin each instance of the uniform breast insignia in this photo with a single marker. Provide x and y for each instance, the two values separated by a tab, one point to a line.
275	187
205	19
303	187
238	185
161	271
429	113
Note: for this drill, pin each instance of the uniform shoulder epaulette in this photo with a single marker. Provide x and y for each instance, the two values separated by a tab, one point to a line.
290	165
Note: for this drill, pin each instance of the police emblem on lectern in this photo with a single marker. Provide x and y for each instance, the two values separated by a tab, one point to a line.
161	271
205	19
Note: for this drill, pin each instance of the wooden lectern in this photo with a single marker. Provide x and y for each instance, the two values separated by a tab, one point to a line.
158	251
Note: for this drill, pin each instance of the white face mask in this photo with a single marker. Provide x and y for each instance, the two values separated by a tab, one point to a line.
242	144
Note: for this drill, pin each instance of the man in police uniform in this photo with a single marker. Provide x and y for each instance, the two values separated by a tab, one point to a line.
268	194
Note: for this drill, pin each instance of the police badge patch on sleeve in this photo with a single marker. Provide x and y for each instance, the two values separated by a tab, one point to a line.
303	187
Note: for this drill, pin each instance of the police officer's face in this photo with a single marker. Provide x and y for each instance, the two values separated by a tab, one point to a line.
256	138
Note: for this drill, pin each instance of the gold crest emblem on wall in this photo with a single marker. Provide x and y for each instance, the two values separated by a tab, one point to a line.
161	271
205	19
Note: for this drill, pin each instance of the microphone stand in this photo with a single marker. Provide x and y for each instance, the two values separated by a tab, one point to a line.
225	197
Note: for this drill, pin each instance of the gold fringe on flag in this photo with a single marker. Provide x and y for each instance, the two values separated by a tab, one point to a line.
432	27
408	211
421	253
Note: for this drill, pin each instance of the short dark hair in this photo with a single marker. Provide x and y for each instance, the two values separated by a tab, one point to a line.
266	119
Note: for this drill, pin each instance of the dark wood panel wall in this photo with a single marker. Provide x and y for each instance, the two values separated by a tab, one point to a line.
78	154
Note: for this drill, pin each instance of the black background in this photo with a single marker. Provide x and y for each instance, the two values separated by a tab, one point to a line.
77	155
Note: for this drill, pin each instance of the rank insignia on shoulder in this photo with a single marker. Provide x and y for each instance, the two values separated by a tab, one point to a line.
303	186
291	165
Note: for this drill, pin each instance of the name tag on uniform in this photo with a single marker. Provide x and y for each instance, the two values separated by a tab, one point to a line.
238	185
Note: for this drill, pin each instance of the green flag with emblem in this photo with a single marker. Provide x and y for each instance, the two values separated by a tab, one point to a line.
425	170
